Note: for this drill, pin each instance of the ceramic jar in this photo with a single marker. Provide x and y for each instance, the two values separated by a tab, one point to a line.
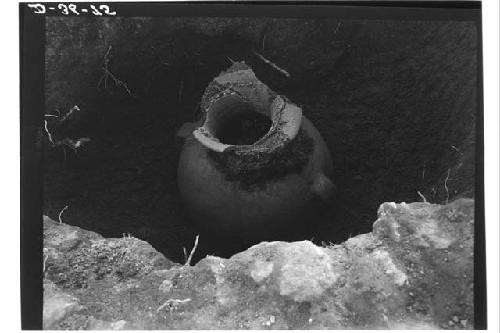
254	165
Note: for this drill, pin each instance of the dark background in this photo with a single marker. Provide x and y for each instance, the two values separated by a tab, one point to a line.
394	100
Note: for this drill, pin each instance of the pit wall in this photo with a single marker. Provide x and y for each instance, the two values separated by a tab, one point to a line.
395	101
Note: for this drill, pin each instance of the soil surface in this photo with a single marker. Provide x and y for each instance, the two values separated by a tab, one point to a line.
395	102
414	271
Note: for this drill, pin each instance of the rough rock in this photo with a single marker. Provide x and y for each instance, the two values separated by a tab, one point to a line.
415	270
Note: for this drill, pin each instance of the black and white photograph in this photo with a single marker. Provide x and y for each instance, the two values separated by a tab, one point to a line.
251	166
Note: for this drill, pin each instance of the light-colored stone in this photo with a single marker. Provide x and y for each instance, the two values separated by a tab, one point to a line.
261	270
165	286
390	268
380	280
56	305
306	271
118	325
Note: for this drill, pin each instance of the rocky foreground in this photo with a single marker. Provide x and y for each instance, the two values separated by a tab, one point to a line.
415	270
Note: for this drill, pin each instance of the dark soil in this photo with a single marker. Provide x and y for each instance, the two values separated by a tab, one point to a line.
395	102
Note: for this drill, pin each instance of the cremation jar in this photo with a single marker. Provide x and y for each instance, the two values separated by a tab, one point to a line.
254	165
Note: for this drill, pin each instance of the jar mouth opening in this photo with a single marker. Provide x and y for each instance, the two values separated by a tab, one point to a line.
235	122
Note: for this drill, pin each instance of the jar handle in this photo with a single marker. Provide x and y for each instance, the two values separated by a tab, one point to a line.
322	186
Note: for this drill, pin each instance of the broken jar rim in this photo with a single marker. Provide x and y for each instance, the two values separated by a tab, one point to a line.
239	85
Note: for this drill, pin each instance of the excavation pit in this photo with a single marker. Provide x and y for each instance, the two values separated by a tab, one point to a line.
397	117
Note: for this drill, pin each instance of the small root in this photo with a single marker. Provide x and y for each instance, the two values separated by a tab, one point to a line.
172	304
45	257
48	132
446	186
70	112
107	74
60	214
272	64
456	149
73	144
337	28
422	196
188	261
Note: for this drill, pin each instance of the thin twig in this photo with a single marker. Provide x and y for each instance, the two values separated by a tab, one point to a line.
118	82
106	56
73	144
446	186
45	257
456	149
273	65
422	196
231	60
108	73
60	214
70	112
48	133
105	76
423	171
337	28
172	303
188	261
433	189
